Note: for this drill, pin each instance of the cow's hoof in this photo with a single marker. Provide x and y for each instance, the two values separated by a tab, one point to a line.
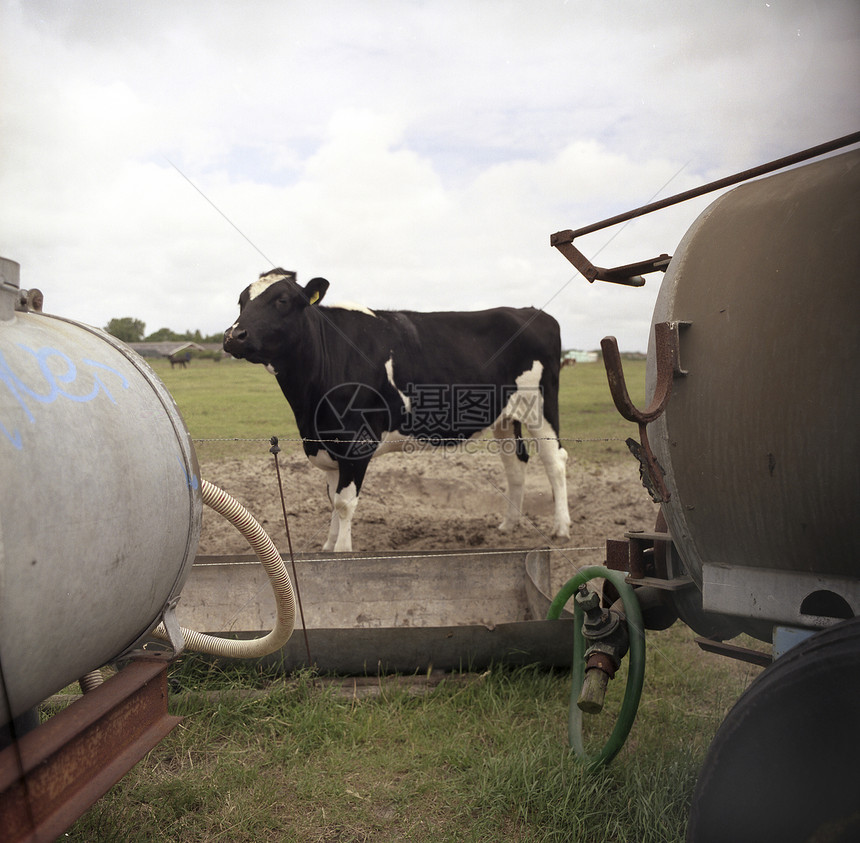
508	526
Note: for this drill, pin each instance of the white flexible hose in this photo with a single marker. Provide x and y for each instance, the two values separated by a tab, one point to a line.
271	560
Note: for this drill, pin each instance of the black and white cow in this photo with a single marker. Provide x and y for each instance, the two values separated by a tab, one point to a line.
363	383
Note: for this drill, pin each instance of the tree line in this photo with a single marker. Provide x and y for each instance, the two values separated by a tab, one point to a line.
129	329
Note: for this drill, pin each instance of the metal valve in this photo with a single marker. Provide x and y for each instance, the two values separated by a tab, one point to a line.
606	632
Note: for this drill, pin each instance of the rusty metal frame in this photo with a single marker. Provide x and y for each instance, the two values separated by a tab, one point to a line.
668	364
628	556
733	651
631	274
52	775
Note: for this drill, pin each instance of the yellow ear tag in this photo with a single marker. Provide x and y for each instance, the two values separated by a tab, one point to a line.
315	298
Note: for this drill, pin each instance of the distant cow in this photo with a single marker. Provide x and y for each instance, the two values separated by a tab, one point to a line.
181	360
363	383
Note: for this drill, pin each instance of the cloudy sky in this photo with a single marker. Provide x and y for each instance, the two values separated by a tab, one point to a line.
416	154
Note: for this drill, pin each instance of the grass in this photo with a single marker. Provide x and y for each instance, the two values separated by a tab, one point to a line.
476	758
233	408
263	757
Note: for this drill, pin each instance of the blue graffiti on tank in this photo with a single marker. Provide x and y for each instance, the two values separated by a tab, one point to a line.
192	480
58	384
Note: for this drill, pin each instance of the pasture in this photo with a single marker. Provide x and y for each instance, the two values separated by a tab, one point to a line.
235	407
460	757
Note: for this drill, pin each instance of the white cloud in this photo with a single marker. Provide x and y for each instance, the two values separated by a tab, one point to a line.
417	154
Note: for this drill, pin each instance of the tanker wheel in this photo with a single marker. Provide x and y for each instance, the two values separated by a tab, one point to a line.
784	763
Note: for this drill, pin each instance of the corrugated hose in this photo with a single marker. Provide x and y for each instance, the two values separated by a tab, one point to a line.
270	558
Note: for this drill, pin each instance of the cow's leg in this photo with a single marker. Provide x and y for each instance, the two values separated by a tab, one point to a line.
331	482
344	486
554	459
503	430
344	476
345	502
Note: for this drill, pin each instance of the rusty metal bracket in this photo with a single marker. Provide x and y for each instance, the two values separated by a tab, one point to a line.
630	275
667	356
57	771
733	651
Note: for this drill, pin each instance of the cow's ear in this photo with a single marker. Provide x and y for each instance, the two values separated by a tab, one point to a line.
315	290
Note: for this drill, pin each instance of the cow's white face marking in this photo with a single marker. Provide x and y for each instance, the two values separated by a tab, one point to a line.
389	370
262	284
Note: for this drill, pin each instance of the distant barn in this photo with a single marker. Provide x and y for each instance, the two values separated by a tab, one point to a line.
569	358
176	351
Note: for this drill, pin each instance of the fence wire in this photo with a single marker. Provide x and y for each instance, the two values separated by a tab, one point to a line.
449	442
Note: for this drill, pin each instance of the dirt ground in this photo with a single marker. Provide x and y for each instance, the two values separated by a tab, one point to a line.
430	501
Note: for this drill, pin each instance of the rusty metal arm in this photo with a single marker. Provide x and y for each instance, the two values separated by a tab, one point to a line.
631	274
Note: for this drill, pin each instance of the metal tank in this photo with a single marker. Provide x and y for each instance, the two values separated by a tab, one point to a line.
759	441
100	506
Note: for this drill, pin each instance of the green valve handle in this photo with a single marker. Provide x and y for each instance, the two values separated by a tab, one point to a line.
635	674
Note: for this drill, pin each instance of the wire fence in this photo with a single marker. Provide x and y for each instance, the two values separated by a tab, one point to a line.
433	442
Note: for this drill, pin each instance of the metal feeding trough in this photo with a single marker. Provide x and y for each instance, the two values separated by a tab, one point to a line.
404	612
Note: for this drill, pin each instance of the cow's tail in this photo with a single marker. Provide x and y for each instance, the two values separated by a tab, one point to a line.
522	450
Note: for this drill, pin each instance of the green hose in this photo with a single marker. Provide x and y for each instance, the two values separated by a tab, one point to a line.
635	674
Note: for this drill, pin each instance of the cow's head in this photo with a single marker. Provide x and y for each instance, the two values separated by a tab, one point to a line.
271	312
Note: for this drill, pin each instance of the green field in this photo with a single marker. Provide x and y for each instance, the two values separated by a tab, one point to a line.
234	408
262	757
475	758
